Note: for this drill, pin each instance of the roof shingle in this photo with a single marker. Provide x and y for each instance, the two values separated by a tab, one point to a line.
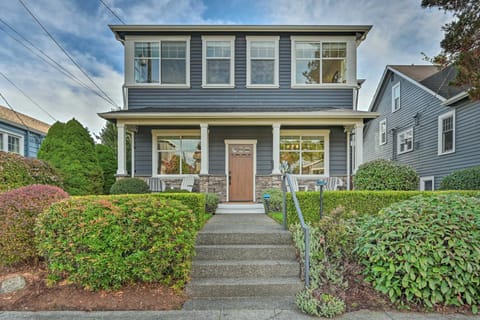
17	118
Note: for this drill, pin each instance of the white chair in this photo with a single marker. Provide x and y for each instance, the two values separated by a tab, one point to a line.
295	185
155	184
187	183
333	183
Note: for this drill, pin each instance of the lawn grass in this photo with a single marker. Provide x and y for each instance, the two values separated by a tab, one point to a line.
277	216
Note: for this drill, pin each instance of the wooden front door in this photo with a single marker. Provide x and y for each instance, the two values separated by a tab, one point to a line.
240	172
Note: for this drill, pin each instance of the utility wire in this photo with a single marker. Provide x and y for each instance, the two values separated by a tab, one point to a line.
27	96
109	9
15	112
66	53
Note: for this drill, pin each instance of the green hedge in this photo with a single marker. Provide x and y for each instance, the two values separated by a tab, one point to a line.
353	202
129	186
194	201
466	179
104	242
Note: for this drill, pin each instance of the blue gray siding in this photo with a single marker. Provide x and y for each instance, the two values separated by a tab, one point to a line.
240	96
424	158
31	140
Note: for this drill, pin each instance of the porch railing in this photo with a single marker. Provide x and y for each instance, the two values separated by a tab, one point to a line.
287	179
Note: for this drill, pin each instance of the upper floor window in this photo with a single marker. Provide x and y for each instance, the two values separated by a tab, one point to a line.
382	131
319	62
262	61
405	141
396	97
218	61
446	133
11	143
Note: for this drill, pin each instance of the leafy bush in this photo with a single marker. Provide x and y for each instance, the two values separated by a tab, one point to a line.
467	179
17	171
324	306
276	199
129	186
107	241
194	201
385	175
18	211
70	148
108	162
425	250
211	202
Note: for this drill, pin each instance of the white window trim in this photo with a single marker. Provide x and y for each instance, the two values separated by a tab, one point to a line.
232	61
424	179
275	40
6	134
130	61
228	142
161	132
397	85
440	129
380	142
398	140
350	62
325	133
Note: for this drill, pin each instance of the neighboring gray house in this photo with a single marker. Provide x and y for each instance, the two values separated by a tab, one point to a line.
226	104
424	122
20	133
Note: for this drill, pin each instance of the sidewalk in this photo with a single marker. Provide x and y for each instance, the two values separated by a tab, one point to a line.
222	315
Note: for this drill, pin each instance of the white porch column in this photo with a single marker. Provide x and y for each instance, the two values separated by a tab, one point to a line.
121	155
349	166
358	145
204	148
276	148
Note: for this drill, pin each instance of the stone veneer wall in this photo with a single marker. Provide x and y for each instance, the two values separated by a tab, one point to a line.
266	182
214	184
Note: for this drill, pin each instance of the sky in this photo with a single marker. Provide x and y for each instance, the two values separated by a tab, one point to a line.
401	31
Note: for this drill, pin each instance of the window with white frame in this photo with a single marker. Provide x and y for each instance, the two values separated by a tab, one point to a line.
306	153
163	62
427	183
382	132
218	61
396	97
405	141
446	133
319	62
176	153
11	143
262	61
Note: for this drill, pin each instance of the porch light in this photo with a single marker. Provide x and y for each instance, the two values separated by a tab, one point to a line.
266	198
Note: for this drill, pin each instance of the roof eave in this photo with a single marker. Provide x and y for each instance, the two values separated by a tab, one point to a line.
456	98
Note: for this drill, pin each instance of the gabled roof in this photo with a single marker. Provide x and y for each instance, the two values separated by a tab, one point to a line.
416	72
22	120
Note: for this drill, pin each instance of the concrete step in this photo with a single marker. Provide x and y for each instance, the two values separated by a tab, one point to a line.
235	303
222	237
244	287
240	208
245	268
245	252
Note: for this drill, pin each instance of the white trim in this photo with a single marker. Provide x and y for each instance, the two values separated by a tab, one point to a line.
358	145
232	61
348	132
440	132
276	148
398	140
276	58
394	87
204	148
456	98
381	133
21	141
424	179
228	142
121	152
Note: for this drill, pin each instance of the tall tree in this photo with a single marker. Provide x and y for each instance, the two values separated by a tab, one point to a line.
461	44
108	137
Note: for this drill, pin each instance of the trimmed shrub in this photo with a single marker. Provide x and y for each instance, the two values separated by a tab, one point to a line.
194	201
129	186
18	211
17	171
425	250
70	148
276	199
467	179
108	162
211	202
108	241
385	175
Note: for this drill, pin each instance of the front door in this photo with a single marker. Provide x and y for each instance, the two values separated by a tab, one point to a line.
240	172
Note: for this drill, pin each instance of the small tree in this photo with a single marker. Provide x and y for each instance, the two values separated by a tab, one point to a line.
70	148
108	162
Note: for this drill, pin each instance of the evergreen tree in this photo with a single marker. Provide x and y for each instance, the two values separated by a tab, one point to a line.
70	148
108	137
108	162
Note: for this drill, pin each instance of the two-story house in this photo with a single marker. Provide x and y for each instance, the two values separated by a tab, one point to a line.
227	104
424	122
20	133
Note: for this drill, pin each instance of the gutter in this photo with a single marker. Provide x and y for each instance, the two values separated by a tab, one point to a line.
458	97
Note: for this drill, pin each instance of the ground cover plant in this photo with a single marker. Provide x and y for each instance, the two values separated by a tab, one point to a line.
385	175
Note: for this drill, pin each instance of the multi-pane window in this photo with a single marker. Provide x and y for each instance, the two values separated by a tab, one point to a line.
320	62
405	141
11	143
218	62
304	154
178	154
396	97
446	133
162	62
262	61
382	131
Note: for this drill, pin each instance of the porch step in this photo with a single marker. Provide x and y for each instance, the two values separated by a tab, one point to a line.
240	208
236	303
244	268
246	237
245	252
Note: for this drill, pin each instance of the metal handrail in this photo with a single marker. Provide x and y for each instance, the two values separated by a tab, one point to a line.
287	179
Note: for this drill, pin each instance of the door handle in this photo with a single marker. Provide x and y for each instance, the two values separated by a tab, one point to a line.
229	178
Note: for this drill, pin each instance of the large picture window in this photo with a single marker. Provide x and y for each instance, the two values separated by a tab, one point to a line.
262	61
218	61
177	154
446	133
305	154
